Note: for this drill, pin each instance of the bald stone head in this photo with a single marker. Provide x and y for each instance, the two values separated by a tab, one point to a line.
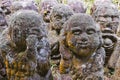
45	8
82	35
23	5
24	23
77	6
59	15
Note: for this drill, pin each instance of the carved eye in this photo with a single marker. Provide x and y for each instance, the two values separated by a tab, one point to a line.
90	31
34	30
115	18
106	16
58	17
76	32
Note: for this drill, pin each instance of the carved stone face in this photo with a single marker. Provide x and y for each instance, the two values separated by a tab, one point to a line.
82	37
23	25
59	14
46	6
107	16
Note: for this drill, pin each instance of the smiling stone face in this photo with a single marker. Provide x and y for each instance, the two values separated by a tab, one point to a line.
107	16
82	36
80	48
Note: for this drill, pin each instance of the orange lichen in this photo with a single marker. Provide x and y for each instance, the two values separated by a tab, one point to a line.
61	67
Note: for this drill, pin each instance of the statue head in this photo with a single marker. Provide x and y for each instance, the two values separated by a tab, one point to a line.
81	35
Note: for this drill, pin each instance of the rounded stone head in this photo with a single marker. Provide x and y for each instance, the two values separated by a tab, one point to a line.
97	3
82	36
24	23
59	15
23	5
77	6
107	16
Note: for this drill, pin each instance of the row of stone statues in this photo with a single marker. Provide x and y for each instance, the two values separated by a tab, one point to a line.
59	41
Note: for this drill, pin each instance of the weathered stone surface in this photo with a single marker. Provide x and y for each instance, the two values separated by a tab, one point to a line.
59	15
45	8
77	6
80	48
25	48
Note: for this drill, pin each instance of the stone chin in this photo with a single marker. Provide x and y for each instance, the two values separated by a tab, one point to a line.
46	20
57	25
85	52
82	52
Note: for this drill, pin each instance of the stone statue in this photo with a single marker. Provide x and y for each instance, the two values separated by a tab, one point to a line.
59	15
25	48
45	8
82	56
107	15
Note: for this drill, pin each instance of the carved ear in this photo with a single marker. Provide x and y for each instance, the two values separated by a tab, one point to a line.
101	40
51	22
99	34
64	32
9	32
50	15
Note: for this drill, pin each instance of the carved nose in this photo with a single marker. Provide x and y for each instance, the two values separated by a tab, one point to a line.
84	39
109	26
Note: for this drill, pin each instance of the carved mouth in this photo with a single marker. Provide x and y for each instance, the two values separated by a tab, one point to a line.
46	19
83	45
58	25
43	60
